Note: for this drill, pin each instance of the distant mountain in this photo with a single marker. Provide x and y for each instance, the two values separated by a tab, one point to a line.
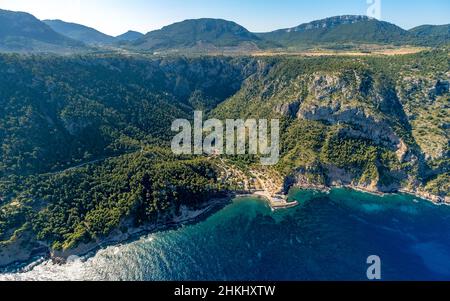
199	33
130	36
81	33
431	34
340	29
22	32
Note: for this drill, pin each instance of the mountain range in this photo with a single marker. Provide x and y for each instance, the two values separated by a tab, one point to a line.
88	35
23	32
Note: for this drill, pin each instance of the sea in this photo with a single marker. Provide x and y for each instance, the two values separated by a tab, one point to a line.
328	236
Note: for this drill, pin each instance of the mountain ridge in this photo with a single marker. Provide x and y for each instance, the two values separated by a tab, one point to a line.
23	32
327	22
192	32
80	32
338	29
432	34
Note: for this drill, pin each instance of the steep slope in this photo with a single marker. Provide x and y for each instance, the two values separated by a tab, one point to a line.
83	128
130	36
199	33
22	32
68	110
340	29
379	124
80	33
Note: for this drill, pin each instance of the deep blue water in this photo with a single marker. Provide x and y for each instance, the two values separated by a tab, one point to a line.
327	237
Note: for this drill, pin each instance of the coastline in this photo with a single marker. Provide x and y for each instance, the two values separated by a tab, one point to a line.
436	200
187	216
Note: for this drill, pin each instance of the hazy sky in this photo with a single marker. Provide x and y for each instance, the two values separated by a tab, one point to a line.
117	16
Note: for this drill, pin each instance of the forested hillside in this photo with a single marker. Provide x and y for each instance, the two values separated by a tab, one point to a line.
380	123
199	34
84	139
57	112
80	33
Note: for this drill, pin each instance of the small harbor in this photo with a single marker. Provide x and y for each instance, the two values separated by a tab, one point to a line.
276	201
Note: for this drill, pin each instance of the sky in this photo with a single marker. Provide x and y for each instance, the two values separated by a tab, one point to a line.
115	17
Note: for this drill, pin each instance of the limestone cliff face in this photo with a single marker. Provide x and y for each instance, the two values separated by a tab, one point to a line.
364	125
425	100
404	117
363	109
380	126
358	103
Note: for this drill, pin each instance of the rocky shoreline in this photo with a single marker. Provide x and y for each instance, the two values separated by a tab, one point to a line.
15	256
437	200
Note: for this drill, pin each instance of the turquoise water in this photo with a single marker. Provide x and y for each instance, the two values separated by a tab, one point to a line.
327	237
